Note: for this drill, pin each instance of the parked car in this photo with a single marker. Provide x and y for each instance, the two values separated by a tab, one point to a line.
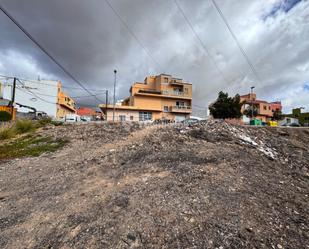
291	125
190	121
163	121
85	119
71	118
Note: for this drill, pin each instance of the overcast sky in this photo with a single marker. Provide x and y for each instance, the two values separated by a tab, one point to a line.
90	41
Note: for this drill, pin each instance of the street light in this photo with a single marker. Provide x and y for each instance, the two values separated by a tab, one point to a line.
114	99
251	97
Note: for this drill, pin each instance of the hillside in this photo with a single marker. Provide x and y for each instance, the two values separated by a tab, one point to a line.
212	185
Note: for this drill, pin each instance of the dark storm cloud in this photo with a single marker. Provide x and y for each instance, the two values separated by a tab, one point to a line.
89	40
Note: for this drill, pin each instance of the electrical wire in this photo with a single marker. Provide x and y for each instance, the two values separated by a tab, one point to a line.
236	40
26	90
41	82
45	51
200	41
133	34
73	97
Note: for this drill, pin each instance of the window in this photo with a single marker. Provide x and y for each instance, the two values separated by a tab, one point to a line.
122	118
265	108
165	108
165	80
186	90
145	116
180	103
131	118
268	107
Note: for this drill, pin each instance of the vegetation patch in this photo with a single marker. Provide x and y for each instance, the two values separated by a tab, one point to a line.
44	121
24	126
57	123
30	145
7	133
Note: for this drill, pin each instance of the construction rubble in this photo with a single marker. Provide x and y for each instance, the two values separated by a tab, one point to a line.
209	185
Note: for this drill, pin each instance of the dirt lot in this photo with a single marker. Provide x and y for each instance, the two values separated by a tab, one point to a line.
213	185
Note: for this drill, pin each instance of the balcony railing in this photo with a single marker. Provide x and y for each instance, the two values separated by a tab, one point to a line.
175	93
181	108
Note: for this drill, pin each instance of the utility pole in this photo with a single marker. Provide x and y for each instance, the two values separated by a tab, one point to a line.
106	103
251	102
13	93
114	100
13	97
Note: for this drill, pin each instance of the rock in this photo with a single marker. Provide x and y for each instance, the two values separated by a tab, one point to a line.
122	201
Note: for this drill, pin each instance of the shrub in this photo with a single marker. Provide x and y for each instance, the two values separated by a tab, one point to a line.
5	116
44	121
57	123
7	133
23	126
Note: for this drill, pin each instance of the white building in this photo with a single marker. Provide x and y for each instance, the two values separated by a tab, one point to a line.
43	95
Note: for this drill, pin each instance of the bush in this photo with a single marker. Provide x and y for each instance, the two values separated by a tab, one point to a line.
44	121
23	126
7	133
57	123
5	116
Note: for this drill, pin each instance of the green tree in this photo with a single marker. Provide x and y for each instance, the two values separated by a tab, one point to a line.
277	115
248	111
5	116
226	107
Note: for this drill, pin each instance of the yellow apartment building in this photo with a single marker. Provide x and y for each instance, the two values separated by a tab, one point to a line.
65	104
158	97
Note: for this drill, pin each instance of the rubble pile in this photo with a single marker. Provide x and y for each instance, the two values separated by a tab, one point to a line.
209	185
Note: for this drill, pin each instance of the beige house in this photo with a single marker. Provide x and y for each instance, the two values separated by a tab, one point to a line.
158	97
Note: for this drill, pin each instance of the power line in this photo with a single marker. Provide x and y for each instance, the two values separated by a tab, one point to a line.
236	40
132	33
41	82
27	91
32	93
200	40
45	51
73	97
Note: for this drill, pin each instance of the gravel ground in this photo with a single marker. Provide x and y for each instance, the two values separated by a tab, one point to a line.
212	185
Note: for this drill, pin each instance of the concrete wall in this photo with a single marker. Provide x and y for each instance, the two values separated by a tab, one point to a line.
129	114
62	111
41	95
265	109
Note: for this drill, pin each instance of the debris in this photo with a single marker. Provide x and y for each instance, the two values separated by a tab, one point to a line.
210	185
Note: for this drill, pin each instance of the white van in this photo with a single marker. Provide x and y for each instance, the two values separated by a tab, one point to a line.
71	118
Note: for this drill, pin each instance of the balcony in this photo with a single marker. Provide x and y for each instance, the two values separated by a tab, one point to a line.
176	82
181	109
175	93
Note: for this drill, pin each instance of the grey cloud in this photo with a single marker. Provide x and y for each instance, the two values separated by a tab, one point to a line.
90	41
